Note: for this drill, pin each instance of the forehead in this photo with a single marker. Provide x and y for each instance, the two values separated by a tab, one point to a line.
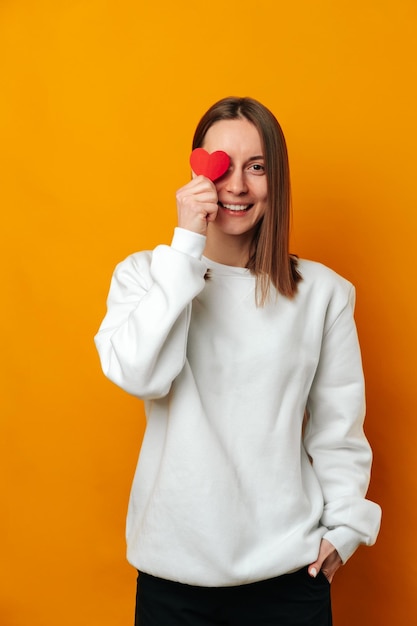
233	136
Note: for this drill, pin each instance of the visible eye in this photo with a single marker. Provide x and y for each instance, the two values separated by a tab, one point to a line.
257	168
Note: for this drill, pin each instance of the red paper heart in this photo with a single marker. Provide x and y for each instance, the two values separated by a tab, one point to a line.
211	165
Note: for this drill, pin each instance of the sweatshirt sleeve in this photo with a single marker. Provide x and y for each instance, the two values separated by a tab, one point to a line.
335	439
142	340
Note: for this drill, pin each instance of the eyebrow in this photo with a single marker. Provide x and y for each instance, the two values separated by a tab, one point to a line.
257	158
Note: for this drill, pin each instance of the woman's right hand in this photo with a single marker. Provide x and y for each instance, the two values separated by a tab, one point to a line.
197	204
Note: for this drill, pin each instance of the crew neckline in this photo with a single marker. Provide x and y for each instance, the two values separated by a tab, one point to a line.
226	270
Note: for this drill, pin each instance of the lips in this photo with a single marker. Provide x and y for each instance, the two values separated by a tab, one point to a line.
236	207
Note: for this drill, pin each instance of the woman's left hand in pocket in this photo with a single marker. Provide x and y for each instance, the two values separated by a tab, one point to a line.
328	561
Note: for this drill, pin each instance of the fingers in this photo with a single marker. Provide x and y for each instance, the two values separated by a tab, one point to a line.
197	204
328	561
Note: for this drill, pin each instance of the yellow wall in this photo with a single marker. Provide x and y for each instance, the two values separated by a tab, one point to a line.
98	101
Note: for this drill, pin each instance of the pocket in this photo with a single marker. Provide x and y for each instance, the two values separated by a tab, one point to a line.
322	575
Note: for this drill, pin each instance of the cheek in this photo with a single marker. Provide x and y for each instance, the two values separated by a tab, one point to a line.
263	203
262	191
219	184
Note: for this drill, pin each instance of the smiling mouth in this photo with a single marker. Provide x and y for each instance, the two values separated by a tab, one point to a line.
239	208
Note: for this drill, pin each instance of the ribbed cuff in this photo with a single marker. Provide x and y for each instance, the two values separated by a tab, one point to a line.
188	242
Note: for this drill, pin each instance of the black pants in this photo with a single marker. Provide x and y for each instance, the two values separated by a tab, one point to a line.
290	600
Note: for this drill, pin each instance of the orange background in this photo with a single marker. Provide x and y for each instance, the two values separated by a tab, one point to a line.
98	102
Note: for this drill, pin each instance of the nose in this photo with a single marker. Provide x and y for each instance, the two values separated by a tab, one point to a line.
235	182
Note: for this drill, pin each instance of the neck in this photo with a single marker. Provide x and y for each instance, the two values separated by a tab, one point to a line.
228	249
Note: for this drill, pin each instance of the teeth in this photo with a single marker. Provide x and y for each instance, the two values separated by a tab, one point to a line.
235	207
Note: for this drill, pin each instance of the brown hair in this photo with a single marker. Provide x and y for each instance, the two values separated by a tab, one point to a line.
269	260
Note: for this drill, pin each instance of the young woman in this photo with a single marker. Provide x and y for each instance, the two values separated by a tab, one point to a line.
250	487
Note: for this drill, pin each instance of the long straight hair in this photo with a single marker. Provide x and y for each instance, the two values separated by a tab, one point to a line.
269	258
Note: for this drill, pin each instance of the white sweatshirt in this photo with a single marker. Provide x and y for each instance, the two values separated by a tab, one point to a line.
227	490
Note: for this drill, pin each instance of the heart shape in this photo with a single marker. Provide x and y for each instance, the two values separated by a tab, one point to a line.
211	165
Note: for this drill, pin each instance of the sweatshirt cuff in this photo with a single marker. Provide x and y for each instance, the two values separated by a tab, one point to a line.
351	522
188	242
344	540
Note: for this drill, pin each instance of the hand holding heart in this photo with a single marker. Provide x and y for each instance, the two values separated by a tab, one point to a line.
197	201
197	204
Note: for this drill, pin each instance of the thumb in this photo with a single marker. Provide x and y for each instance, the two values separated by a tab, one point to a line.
314	568
326	548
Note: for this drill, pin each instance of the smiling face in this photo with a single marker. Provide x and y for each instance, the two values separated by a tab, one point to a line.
242	191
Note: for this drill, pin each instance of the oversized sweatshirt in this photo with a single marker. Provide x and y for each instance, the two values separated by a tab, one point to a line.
233	483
